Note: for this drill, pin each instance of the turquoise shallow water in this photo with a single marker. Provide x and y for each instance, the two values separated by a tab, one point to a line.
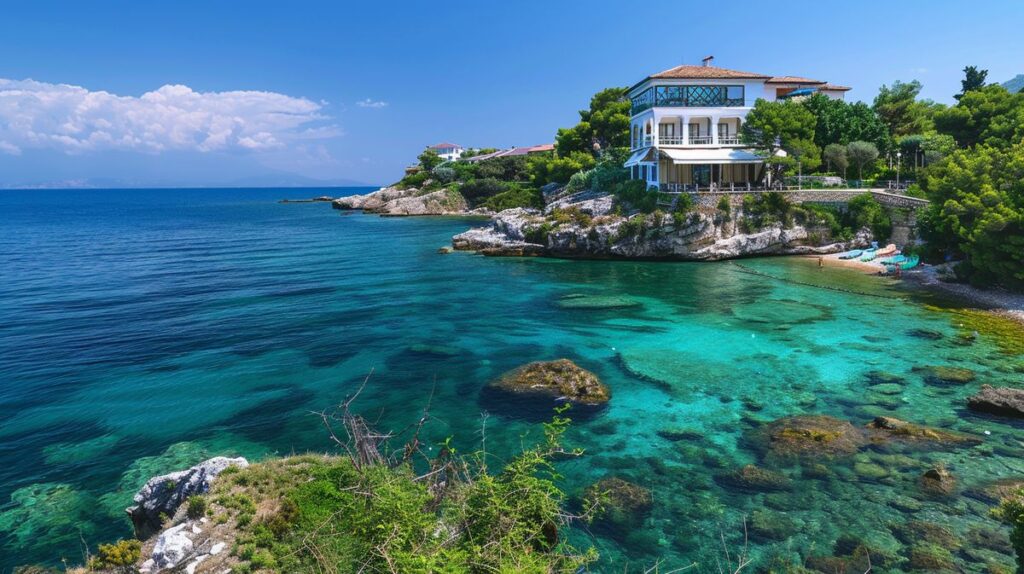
142	331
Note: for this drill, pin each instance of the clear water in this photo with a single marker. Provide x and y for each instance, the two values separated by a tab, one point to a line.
142	331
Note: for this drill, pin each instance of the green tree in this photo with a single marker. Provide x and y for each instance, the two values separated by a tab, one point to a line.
861	154
989	115
547	169
898	108
429	159
777	126
841	123
974	79
977	210
835	158
602	126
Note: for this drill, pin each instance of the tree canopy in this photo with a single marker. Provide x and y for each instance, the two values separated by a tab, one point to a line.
782	125
900	110
974	79
989	115
604	125
840	123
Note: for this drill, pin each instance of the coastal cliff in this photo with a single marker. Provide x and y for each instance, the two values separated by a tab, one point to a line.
590	228
396	201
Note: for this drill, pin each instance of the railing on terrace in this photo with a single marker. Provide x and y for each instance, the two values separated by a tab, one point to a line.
648	141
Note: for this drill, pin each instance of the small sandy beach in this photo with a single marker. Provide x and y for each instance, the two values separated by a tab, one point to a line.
998	301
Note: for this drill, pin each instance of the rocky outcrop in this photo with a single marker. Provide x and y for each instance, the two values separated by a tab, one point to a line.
161	496
396	201
186	546
885	429
583	226
554	380
809	437
1002	401
751	478
621	505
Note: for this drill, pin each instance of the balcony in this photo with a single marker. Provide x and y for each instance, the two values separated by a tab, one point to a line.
648	141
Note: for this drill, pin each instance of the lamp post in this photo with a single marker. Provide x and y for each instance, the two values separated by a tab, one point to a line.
898	171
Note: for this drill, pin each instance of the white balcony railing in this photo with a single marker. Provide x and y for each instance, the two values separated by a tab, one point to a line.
648	141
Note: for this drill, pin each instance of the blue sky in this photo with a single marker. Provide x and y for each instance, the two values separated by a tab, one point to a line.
263	91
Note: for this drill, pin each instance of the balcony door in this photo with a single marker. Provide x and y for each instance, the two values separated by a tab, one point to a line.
723	131
666	132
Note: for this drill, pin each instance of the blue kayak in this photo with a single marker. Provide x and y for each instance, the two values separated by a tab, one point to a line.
851	254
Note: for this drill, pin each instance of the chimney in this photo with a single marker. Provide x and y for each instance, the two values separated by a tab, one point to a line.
707	61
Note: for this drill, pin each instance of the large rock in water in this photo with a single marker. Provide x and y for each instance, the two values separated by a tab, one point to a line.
554	380
162	495
1002	401
407	201
622	505
809	436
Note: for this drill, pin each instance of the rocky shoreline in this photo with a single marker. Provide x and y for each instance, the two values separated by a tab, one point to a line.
589	229
393	201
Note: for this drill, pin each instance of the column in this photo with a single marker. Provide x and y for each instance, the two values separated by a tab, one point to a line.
654	130
686	130
714	130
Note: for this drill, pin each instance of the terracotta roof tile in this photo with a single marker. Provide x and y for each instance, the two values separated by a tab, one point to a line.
706	73
443	145
835	88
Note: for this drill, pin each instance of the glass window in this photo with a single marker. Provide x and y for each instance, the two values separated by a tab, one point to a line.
734	95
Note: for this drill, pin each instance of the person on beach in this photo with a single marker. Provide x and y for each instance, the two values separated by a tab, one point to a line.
821	262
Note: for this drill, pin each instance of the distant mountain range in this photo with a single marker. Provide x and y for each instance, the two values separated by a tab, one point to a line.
1015	85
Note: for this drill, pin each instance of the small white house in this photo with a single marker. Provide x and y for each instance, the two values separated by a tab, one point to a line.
686	122
448	151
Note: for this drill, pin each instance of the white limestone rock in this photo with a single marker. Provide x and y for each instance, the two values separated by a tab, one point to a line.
162	495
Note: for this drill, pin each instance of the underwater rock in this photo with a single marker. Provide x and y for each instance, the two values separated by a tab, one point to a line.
937	481
870	470
945	375
678	434
884	378
162	495
994	492
435	350
766	525
925	334
905	504
923	531
989	538
624	505
597	302
46	513
809	436
751	478
887	389
1002	401
924	556
778	311
560	379
890	428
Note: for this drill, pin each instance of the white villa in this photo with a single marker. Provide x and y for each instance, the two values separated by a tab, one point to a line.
686	123
448	151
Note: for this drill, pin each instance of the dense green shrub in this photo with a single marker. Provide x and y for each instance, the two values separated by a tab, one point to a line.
544	168
119	557
512	168
478	191
865	211
413	180
515	196
444	173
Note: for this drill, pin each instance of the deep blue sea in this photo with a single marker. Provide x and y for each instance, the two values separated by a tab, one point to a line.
142	331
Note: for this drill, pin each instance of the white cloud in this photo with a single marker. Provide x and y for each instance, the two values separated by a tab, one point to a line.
72	119
371	103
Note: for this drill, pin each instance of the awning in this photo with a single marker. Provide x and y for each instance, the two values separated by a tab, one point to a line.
639	156
706	156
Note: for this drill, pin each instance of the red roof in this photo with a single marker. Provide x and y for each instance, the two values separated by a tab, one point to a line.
835	88
792	80
443	145
706	73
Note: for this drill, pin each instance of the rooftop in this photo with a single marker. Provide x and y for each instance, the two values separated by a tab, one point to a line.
793	80
443	145
690	72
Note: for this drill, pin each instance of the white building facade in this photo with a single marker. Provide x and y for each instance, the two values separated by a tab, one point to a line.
686	122
448	151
